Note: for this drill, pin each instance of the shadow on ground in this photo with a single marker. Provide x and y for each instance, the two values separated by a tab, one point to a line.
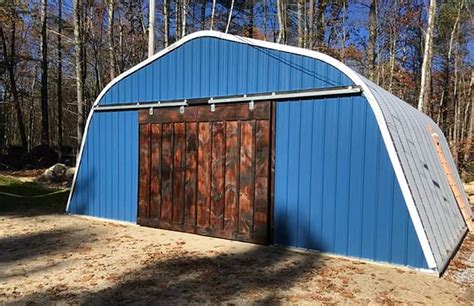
182	276
30	199
35	245
254	275
25	254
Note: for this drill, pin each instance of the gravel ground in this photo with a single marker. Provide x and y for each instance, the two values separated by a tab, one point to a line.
55	258
461	268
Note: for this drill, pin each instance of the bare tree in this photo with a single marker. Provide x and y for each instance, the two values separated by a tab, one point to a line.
320	23
213	13
203	14
372	38
112	64
166	21
177	11
10	58
59	83
248	28
78	46
300	23
344	31
184	14
265	18
230	16
44	76
151	29
309	42
470	128
447	69
423	98
281	23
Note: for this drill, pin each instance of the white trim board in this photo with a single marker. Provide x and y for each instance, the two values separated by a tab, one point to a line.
351	74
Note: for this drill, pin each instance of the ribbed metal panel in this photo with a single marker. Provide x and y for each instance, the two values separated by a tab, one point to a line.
207	66
429	185
335	188
107	181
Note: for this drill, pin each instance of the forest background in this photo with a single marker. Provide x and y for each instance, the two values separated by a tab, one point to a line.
57	55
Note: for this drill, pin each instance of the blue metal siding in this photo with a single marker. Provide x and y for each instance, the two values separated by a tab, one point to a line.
335	188
107	182
207	66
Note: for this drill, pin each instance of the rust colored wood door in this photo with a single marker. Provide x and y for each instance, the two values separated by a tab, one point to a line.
207	172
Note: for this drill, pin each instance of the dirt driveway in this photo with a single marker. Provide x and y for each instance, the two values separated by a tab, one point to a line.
55	258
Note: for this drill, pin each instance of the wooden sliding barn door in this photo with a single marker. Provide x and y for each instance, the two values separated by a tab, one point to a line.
207	172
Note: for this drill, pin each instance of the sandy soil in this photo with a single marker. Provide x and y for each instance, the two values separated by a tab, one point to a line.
69	259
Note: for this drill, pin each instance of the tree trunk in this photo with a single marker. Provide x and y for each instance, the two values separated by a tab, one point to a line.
166	20
300	23
457	117
212	13
121	65
78	46
203	14
44	77
281	24
59	86
249	8
319	39
177	12
11	63
470	129
423	98
309	43
184	14
230	16
151	29
265	19
344	31
372	39
112	63
393	50
443	112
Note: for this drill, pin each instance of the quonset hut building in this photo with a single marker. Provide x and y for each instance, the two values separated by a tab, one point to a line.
254	141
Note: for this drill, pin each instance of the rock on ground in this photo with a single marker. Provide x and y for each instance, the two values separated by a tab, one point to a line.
58	173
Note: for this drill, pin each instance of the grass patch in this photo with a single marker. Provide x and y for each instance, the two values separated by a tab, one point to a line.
16	195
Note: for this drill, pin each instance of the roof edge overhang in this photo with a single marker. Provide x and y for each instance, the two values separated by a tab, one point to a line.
351	74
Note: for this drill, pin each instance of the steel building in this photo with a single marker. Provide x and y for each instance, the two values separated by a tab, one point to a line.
249	140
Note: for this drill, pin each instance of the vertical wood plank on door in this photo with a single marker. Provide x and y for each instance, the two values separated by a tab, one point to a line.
232	165
144	161
191	173
204	174
155	179
167	172
262	161
178	172
246	177
217	180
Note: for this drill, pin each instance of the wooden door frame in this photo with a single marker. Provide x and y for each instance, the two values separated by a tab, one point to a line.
271	193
